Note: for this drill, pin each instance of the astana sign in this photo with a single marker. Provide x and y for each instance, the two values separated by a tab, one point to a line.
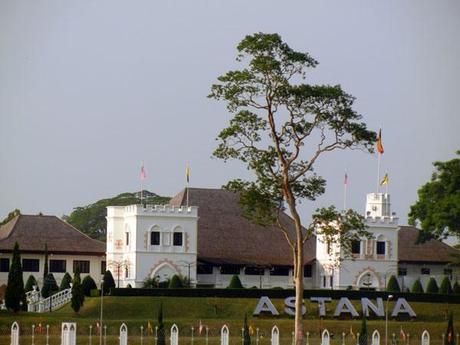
344	306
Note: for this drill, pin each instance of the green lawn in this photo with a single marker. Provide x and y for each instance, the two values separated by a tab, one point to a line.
215	312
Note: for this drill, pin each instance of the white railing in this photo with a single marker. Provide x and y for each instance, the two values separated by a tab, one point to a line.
56	301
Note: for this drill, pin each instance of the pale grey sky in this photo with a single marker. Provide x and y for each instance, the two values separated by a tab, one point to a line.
89	89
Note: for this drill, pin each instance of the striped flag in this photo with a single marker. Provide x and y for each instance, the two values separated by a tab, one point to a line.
143	174
378	144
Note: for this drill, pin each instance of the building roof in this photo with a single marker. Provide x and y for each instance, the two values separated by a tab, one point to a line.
225	236
33	232
432	251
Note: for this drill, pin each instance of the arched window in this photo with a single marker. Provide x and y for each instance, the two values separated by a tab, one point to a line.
155	238
178	237
381	246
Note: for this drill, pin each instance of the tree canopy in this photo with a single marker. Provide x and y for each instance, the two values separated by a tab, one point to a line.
10	216
437	210
90	219
279	128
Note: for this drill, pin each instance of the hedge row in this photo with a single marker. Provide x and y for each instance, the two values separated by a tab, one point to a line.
283	293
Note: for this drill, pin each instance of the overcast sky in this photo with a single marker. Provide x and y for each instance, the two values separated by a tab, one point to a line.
89	89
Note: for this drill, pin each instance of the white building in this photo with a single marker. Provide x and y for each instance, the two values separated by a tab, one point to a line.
210	241
68	248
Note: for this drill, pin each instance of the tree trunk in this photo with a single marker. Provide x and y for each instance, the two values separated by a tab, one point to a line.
298	280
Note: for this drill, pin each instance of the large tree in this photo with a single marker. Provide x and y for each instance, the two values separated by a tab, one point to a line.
280	127
15	297
437	210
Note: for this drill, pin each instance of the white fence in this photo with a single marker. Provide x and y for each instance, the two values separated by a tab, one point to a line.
68	336
37	304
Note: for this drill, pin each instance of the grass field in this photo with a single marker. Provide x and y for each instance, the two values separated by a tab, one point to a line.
214	313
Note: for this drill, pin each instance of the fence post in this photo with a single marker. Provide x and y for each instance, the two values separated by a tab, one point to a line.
275	336
207	331
33	334
375	338
15	333
142	334
357	338
174	338
308	336
224	335
48	335
123	334
325	337
425	338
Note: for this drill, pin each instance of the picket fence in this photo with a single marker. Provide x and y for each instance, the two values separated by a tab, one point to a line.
69	336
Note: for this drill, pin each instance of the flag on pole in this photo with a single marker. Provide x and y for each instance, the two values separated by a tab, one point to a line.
345	179
200	328
379	143
98	325
143	174
251	330
351	332
187	173
384	180
402	334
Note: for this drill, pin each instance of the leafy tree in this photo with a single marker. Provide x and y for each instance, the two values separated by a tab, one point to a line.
78	298
45	269
393	285
432	286
14	294
108	283
50	286
246	335
10	216
417	287
437	209
88	284
30	283
445	288
235	283
279	129
363	332
175	282
161	339
90	219
450	334
65	282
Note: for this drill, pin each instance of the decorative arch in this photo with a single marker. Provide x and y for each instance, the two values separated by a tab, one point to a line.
368	278
164	270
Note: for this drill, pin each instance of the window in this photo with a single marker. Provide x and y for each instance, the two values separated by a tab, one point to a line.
279	271
177	239
30	265
204	269
307	271
155	238
103	267
57	266
425	270
402	271
356	247
126	272
254	271
127	238
448	271
83	265
230	269
380	248
4	265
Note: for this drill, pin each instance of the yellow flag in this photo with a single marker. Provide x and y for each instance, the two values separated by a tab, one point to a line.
187	173
385	180
149	328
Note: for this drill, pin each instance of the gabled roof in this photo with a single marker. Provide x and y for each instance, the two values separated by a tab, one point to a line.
225	236
33	232
432	251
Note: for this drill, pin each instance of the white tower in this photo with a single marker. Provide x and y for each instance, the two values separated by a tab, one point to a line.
151	242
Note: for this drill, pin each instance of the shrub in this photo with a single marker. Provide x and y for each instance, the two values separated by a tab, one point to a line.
87	285
50	286
150	283
65	282
14	294
235	283
129	286
445	288
456	288
31	282
78	297
417	287
363	332
108	283
393	285
432	286
175	282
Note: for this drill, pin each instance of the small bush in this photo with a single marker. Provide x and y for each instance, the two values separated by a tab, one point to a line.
175	282
109	283
50	286
129	286
393	285
417	287
31	282
456	288
65	282
445	288
150	283
87	285
235	283
432	286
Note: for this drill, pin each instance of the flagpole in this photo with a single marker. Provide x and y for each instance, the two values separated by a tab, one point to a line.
378	172
345	186
142	182
187	173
